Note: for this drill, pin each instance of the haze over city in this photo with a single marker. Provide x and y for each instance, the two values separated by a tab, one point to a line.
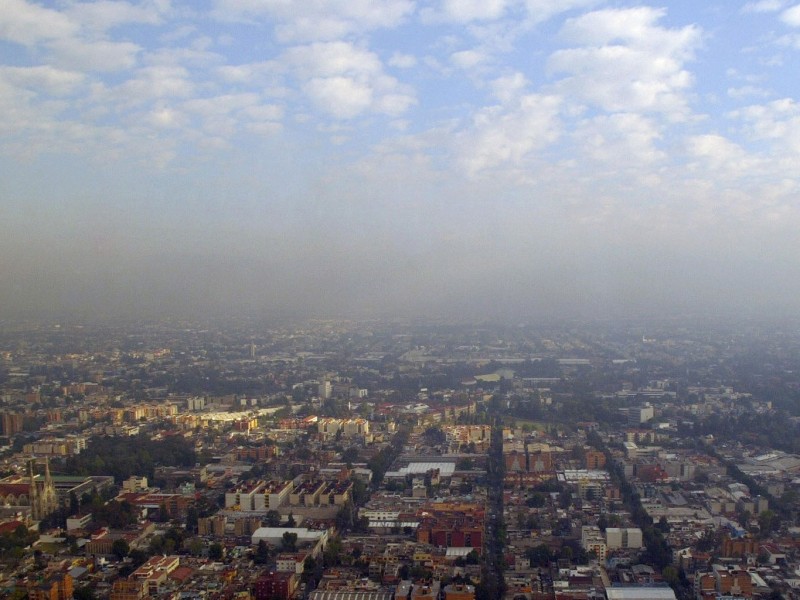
496	158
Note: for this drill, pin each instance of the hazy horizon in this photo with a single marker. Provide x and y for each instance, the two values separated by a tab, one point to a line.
494	159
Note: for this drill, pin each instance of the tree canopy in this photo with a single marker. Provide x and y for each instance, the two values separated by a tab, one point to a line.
126	456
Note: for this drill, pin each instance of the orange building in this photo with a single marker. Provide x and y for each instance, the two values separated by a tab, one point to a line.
540	462
516	462
11	423
734	582
595	459
444	524
57	587
739	547
724	582
128	589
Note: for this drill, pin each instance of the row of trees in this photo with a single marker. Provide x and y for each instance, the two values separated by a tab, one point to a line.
126	456
381	462
658	552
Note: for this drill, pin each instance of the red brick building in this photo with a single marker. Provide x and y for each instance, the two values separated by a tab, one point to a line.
275	585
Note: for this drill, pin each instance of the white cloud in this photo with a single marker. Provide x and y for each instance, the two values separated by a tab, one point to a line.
394	105
463	11
98	55
402	61
74	38
626	62
165	117
777	121
468	59
32	121
195	55
44	78
319	20
635	26
509	87
146	85
792	41
540	11
343	97
718	152
264	128
748	91
764	6
17	110
346	80
103	15
623	141
791	16
27	23
331	58
531	12
245	73
221	105
264	112
503	136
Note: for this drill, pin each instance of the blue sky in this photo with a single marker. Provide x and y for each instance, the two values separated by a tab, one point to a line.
379	156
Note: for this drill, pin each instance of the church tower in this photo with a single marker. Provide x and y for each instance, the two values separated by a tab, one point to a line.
43	498
49	497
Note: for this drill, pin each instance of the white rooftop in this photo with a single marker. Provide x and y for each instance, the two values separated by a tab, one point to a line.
271	533
640	593
446	469
458	551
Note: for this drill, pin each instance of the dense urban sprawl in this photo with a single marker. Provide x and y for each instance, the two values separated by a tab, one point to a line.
337	460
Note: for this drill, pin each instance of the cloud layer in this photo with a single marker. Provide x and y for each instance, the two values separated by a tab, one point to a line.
508	156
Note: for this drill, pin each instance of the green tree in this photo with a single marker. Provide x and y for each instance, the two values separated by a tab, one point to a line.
663	525
350	455
273	518
309	568
670	575
332	553
120	548
360	492
137	557
539	556
345	518
289	541
602	523
84	592
215	551
536	500
192	517
768	521
195	547
261	556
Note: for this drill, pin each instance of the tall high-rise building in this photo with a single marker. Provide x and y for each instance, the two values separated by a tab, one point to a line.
11	423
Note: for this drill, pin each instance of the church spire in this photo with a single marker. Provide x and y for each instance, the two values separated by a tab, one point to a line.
49	498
